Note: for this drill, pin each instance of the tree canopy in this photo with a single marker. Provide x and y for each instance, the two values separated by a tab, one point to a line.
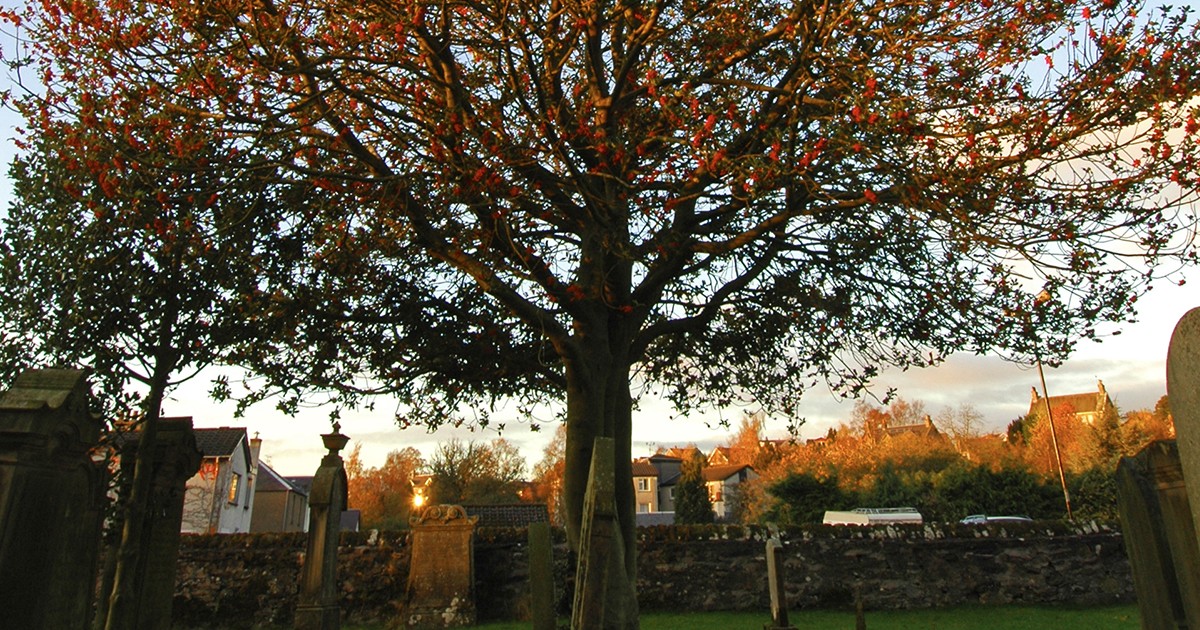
713	201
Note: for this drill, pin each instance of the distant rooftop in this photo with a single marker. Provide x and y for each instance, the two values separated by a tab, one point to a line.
510	515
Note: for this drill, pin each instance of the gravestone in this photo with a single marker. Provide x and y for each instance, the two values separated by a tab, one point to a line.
51	501
441	573
541	576
1183	390
601	548
777	584
1157	525
174	459
317	604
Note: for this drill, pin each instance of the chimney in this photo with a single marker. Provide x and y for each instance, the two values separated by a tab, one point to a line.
255	447
1033	396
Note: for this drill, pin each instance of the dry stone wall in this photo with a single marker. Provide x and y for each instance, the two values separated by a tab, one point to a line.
250	580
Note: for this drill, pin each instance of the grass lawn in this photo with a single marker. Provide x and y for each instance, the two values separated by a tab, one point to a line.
965	618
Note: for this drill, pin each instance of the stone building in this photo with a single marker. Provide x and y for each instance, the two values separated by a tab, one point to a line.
1088	407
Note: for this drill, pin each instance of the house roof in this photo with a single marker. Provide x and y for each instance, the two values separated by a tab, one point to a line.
304	483
510	515
678	452
720	455
220	442
643	468
721	473
270	481
925	429
1089	402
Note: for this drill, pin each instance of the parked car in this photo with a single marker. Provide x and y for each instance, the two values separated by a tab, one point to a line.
983	519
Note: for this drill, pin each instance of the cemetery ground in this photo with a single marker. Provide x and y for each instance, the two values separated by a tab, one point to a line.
959	618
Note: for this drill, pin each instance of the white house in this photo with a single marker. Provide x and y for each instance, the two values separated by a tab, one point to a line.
722	482
220	497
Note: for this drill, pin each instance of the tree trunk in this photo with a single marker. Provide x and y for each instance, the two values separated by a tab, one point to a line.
122	602
599	405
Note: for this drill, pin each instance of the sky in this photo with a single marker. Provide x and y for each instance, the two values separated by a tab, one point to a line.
1130	360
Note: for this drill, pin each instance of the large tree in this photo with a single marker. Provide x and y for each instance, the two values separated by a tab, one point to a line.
720	200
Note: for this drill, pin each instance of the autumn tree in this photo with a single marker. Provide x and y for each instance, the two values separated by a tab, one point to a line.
720	201
548	476
1062	440
1143	426
476	472
383	494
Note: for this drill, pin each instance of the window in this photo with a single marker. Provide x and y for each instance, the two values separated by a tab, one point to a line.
234	487
644	507
643	484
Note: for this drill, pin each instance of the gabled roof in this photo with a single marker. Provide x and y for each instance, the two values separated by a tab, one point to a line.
678	452
222	442
303	482
270	481
925	429
721	473
643	468
1096	402
1080	403
720	455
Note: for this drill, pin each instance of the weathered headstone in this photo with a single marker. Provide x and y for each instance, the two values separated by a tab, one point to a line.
317	605
1156	521
441	573
174	460
541	576
777	583
1183	390
51	501
601	547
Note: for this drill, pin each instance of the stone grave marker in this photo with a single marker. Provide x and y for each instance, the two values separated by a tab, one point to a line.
51	501
1183	390
777	584
174	460
441	574
541	576
601	547
317	605
1156	522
